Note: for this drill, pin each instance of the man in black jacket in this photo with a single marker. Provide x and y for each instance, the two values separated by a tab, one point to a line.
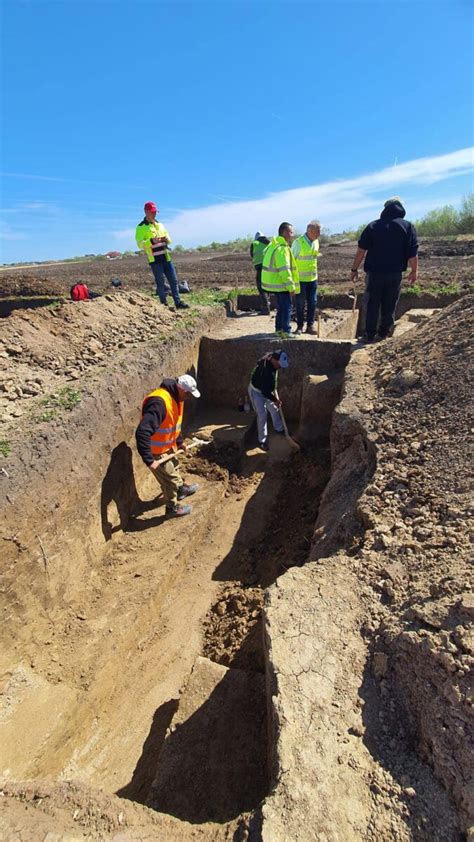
388	245
159	433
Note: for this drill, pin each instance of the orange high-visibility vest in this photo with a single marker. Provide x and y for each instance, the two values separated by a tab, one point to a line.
167	434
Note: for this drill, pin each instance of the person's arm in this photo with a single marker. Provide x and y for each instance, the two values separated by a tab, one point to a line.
358	258
153	417
144	240
413	255
413	264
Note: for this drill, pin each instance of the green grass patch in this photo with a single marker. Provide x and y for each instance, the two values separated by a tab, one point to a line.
323	290
63	400
434	289
4	447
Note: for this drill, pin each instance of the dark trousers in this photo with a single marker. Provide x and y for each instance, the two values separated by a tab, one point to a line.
283	312
161	270
383	292
264	296
307	295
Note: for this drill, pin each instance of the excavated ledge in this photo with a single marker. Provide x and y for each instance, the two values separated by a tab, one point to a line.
359	697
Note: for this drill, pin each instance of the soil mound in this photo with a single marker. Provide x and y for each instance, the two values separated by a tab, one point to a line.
43	350
415	550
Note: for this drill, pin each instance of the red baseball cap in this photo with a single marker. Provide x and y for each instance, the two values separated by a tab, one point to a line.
150	206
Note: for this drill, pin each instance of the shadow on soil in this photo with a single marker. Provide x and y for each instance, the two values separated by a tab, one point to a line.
212	767
393	743
119	488
145	770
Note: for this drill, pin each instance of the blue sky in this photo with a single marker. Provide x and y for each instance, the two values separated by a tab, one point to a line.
230	115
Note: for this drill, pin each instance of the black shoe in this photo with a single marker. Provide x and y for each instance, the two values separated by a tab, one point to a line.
263	445
367	340
182	306
178	511
186	490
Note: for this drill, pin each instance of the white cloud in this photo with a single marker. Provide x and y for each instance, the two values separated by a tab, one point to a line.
338	204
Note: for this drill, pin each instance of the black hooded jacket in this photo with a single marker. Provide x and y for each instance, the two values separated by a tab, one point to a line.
154	414
389	241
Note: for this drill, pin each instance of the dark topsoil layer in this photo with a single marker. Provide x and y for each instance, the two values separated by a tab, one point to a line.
442	263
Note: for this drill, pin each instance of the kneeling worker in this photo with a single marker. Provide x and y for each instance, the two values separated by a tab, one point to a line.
159	432
264	395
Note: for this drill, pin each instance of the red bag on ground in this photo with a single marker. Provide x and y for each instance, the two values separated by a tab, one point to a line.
79	292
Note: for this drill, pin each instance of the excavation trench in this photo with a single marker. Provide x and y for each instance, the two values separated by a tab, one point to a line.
143	671
232	670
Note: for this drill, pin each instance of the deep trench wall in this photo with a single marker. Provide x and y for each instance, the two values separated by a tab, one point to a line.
67	497
225	367
422	679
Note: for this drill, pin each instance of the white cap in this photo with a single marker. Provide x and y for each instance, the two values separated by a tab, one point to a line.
188	384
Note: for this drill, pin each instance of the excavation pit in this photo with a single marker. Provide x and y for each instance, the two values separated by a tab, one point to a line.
138	639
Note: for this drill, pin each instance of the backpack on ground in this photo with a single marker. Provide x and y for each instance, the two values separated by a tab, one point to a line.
79	292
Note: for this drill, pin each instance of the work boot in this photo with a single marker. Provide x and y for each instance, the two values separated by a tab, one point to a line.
186	490
182	306
311	329
178	510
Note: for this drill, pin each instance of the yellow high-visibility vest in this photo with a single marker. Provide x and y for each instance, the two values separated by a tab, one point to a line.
279	270
306	254
145	232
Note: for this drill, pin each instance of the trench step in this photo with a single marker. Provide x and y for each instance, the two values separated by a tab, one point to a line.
212	765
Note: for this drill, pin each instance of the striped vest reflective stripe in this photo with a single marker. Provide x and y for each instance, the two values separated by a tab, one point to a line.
165	437
307	259
279	271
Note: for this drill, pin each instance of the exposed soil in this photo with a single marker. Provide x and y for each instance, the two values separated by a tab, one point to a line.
442	263
408	408
164	592
49	349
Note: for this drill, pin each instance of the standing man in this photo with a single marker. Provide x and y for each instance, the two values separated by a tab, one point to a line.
256	253
306	252
280	276
264	395
388	245
159	432
153	238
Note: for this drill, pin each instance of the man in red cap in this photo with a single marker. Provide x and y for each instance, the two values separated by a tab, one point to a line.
153	238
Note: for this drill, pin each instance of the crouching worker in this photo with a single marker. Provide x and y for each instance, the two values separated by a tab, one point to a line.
159	433
264	395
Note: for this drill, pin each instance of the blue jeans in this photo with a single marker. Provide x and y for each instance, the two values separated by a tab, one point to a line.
307	295
162	270
283	312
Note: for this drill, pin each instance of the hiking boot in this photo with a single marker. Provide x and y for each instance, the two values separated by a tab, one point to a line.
182	306
311	330
186	490
178	510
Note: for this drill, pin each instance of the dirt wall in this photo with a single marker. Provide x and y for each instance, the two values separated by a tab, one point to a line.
66	495
225	368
